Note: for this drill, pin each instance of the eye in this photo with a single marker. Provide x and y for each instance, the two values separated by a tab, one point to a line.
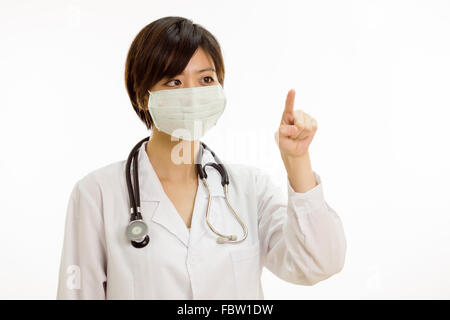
212	80
171	81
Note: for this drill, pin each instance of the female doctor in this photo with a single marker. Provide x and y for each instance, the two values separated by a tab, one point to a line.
187	226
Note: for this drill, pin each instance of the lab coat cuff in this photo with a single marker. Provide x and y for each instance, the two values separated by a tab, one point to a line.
312	198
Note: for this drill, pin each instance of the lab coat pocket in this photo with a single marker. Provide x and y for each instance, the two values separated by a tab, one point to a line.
246	269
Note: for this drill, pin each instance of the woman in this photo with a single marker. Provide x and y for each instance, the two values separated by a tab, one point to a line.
174	76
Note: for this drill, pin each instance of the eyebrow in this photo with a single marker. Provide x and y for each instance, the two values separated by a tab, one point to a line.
203	70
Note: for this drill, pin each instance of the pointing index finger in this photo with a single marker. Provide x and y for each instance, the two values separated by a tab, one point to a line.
288	113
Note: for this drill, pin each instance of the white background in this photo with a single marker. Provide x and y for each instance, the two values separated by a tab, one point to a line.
375	75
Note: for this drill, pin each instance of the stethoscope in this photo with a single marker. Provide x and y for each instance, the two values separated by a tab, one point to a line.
137	230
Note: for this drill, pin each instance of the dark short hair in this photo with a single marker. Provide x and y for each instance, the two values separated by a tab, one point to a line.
162	49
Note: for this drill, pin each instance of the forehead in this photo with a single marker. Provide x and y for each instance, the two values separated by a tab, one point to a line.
200	60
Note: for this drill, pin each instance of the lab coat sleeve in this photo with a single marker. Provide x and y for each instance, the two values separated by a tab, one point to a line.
82	273
303	237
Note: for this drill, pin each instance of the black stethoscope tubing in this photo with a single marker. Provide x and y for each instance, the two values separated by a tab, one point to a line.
135	201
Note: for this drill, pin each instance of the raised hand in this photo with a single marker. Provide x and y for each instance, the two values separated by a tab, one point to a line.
296	131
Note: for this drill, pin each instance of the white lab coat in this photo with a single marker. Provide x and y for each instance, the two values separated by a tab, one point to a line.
299	238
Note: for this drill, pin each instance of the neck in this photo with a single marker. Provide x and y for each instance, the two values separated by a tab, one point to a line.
172	160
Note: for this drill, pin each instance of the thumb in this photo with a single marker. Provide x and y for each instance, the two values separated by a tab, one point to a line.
287	130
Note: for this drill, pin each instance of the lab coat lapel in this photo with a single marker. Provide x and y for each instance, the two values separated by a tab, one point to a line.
151	190
167	216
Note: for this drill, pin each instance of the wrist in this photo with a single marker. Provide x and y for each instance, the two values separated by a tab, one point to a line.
290	160
299	172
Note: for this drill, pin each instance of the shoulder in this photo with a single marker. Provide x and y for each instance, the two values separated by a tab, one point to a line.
246	170
94	191
256	181
246	174
102	179
240	170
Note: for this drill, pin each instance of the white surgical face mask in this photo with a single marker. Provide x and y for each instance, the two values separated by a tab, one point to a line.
187	113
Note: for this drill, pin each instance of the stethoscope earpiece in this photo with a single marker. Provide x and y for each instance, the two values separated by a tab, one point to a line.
221	240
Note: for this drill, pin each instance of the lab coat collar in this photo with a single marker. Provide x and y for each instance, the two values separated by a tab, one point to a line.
155	203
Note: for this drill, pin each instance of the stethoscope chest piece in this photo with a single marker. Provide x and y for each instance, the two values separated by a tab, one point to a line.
137	233
141	244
